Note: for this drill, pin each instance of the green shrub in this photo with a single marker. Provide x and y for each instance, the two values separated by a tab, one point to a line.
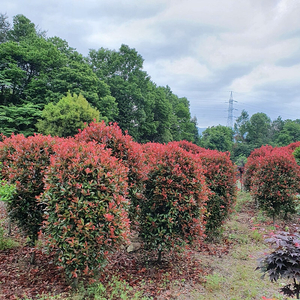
67	116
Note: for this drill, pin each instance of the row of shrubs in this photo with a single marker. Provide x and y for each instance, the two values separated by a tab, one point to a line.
272	176
87	194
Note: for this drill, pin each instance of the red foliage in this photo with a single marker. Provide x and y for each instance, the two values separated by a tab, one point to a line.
85	192
124	148
24	162
275	180
220	178
252	165
175	196
291	147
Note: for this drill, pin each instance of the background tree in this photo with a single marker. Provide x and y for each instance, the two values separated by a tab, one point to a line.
19	118
38	70
217	138
67	116
251	133
4	28
23	29
258	130
148	112
290	133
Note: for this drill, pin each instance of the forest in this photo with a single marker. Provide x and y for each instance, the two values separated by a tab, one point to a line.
47	87
37	71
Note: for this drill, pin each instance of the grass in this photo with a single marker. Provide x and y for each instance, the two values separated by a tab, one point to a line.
234	276
117	289
6	242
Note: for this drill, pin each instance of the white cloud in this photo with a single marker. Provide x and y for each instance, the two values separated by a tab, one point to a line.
266	75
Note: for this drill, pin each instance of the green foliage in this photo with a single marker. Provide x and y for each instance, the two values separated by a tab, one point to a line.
290	133
86	208
24	161
19	118
67	116
296	154
217	138
284	261
6	242
23	29
7	191
172	211
4	28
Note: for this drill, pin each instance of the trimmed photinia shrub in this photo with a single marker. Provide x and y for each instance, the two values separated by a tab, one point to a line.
125	149
173	209
252	164
276	182
24	161
220	174
291	147
86	214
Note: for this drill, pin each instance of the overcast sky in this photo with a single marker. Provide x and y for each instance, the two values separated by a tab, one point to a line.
202	49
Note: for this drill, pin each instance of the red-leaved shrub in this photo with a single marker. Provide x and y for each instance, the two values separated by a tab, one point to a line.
220	179
173	208
24	161
291	147
127	151
276	182
86	214
252	165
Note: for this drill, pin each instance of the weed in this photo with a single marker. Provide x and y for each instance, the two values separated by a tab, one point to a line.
214	281
6	242
116	289
256	235
242	199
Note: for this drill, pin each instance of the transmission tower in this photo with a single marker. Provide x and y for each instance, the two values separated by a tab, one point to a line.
230	111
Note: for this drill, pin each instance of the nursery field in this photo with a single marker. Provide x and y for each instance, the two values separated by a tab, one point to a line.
220	269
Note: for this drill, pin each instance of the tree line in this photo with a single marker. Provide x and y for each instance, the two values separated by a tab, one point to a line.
250	133
37	72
